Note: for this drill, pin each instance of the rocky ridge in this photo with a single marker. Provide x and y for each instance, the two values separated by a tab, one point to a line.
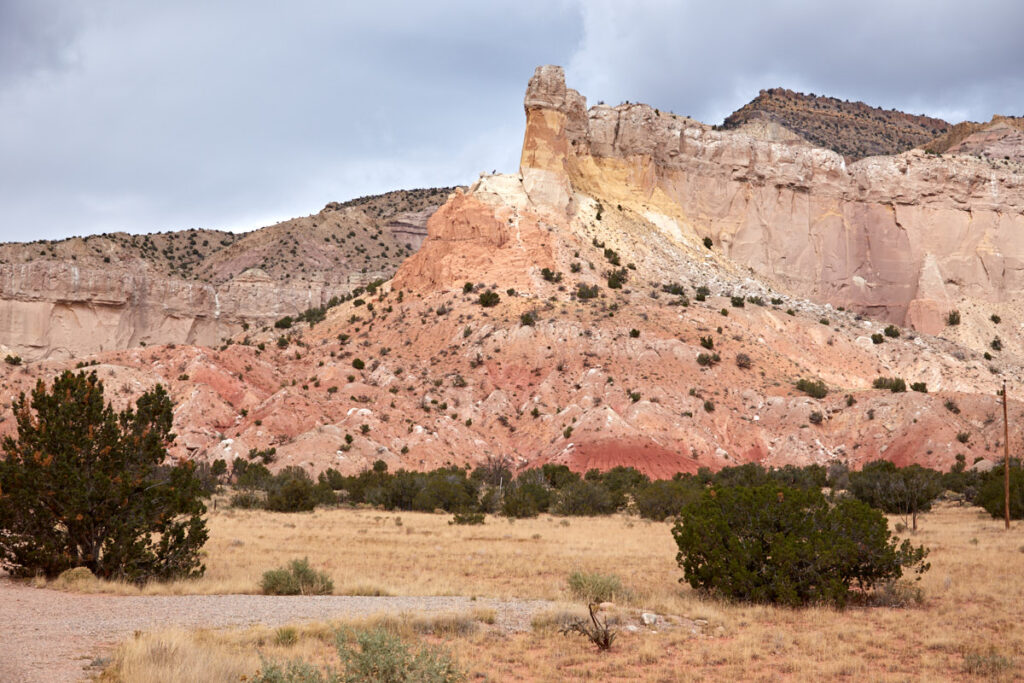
852	129
573	313
87	294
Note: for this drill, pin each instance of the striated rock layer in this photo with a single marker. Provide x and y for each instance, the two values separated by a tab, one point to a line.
114	291
611	335
905	238
52	309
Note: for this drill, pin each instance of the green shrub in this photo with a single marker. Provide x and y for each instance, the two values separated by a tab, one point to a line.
297	579
666	498
788	546
919	387
992	496
894	384
707	359
877	338
467	518
247	500
991	665
380	657
370	656
489	299
707	342
584	498
617	278
953	318
903	491
593	587
892	331
816	417
292	490
294	671
584	292
12	360
550	275
525	498
708	243
736	301
742	361
358	363
814	388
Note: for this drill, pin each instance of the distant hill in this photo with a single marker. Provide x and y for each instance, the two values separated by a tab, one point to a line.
370	235
954	139
853	129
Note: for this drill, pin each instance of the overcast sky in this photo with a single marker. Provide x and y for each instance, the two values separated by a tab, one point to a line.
147	115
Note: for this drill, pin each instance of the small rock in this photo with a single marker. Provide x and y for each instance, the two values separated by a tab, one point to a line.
606	605
701	622
632	628
649	618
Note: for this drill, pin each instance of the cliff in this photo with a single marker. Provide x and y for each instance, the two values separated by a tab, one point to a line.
84	295
906	238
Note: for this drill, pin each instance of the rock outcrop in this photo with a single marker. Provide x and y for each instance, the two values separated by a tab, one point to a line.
853	129
905	237
105	292
50	309
611	335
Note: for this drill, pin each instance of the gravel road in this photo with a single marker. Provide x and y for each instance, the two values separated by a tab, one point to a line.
52	636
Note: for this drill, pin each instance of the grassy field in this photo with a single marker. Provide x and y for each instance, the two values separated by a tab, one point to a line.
967	626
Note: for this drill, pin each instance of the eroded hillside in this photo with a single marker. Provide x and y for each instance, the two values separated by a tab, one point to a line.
645	291
86	294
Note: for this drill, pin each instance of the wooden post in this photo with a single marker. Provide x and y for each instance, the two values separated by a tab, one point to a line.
1006	458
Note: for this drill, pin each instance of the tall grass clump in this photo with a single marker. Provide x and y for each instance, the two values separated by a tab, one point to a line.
297	579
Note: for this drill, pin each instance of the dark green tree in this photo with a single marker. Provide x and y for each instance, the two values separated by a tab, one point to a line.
85	486
992	492
789	546
665	498
587	498
904	491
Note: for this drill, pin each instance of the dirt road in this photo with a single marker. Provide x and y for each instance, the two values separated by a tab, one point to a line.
50	636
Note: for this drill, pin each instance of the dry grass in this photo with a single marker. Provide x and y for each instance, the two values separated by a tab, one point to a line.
967	627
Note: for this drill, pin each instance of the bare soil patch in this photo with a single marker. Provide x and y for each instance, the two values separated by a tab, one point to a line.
54	636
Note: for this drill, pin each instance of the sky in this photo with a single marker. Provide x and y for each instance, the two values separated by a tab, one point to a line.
146	115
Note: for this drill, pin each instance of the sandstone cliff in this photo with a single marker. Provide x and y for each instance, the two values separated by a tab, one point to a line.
609	334
99	293
906	238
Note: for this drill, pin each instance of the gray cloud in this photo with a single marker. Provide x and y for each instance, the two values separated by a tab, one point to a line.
155	116
706	59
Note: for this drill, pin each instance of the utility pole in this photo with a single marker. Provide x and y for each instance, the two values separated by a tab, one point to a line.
1006	459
